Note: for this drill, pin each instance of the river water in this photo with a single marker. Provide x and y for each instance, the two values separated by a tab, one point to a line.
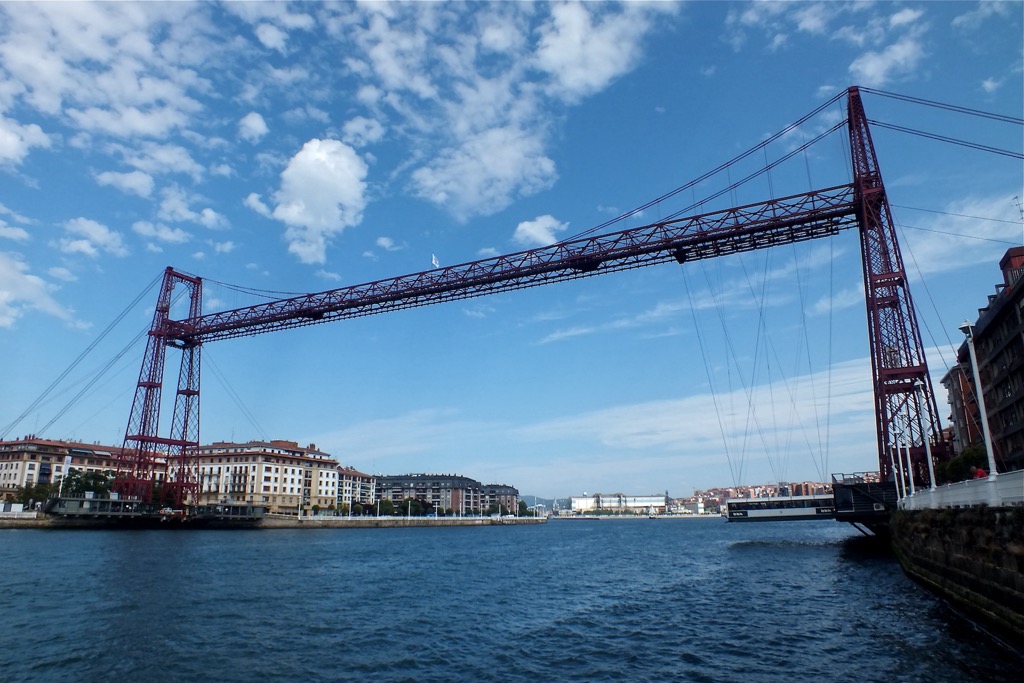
609	600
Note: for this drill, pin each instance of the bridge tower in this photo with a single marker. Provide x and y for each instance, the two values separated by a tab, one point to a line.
906	413
140	468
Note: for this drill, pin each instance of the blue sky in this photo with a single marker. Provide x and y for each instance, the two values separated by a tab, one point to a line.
299	147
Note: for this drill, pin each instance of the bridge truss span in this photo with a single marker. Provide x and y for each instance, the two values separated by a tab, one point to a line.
756	226
905	407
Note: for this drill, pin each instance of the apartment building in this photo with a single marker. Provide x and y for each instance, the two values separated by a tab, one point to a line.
355	487
998	336
454	492
32	460
283	476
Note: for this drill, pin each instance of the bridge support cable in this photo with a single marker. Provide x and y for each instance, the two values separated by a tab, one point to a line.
53	385
735	469
903	415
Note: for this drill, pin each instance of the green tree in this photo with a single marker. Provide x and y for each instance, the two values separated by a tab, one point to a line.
959	467
524	511
410	507
77	482
37	493
387	508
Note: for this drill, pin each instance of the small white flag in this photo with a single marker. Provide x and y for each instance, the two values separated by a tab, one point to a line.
433	259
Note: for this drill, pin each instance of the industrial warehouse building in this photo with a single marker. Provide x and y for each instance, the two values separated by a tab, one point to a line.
618	503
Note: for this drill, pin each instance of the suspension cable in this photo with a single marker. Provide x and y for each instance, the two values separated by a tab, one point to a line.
793	126
944	138
948	107
53	385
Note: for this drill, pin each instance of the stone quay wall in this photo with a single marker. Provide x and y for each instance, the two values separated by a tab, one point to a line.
291	522
26	521
973	557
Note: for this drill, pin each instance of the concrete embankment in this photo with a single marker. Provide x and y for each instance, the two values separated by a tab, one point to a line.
285	522
973	557
29	521
22	520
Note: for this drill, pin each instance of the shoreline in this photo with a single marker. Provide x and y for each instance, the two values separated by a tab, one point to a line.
44	521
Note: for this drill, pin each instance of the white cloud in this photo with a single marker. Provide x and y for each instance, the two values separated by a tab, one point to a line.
388	244
252	127
175	206
223	247
13	233
280	14
211	219
813	18
990	85
322	192
62	273
985	10
845	298
16	140
541	231
972	230
876	69
272	37
904	17
585	49
307	113
89	237
559	335
20	292
112	69
717	415
4	211
486	172
255	202
159	159
361	131
134	182
126	122
161	232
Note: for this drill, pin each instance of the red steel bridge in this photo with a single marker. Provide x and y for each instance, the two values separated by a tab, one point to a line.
901	383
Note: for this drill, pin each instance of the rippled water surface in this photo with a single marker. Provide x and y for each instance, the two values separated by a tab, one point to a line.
611	600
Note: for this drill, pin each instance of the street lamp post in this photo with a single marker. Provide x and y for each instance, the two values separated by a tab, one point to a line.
968	331
919	386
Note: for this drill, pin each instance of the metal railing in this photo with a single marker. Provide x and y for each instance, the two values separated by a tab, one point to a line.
999	490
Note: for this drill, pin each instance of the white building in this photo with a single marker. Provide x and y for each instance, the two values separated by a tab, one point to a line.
31	460
355	487
278	474
618	503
